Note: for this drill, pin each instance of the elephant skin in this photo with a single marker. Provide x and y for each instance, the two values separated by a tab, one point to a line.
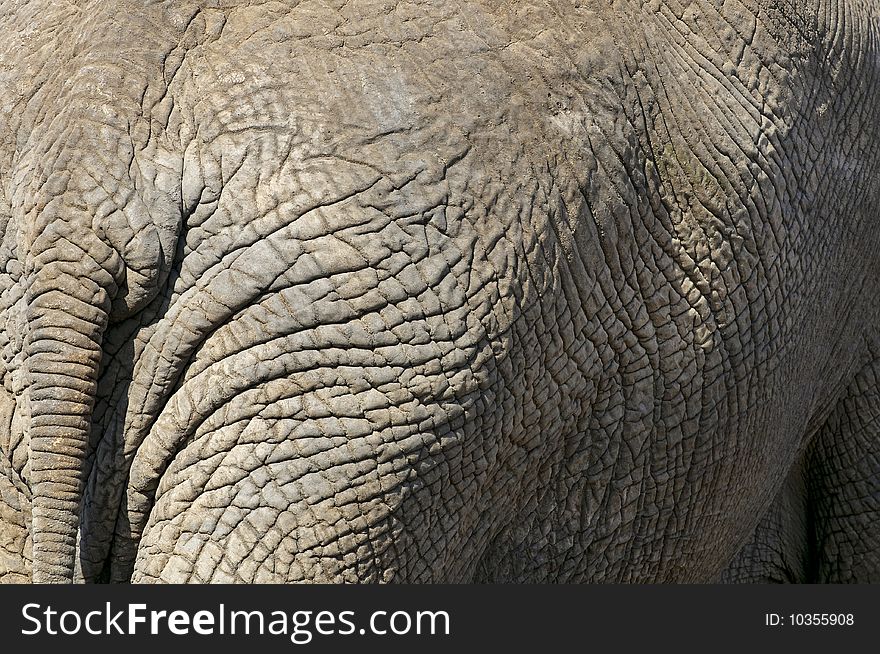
439	291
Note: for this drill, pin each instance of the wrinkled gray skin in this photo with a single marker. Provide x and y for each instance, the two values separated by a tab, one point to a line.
439	290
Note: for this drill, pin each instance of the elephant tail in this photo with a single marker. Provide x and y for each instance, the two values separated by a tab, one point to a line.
73	283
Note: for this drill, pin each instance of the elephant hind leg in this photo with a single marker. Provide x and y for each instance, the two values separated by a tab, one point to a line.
778	551
824	526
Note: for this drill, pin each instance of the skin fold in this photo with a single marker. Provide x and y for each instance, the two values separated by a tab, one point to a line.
439	291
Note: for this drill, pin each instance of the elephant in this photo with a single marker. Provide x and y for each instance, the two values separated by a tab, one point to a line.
460	291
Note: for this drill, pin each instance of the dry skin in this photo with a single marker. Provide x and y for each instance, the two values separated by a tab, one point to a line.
440	290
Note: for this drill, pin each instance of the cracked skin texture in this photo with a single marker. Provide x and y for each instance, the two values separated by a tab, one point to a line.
439	291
